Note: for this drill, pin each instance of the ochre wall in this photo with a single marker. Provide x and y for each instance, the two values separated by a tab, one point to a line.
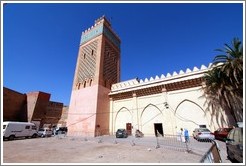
14	105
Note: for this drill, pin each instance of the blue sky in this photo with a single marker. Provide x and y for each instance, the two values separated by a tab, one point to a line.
41	41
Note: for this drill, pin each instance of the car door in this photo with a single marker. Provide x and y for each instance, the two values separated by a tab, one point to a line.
237	148
25	131
230	141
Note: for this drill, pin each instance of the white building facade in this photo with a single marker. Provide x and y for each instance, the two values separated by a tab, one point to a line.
164	105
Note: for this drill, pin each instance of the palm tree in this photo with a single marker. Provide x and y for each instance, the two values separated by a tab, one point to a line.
232	62
224	81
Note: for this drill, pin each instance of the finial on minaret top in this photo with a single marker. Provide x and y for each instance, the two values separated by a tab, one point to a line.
104	20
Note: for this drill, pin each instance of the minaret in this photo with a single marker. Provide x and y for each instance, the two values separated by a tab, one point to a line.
97	68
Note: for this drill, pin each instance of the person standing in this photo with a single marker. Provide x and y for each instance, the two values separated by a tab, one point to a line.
178	135
182	135
186	134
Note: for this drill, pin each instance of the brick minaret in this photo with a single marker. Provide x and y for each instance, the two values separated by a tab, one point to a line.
97	68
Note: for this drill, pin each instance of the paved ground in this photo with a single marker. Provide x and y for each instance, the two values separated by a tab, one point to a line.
106	149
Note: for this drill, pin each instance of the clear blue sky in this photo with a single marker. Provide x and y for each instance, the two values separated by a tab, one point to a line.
41	41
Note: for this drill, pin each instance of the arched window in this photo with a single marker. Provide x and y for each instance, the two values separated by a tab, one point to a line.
84	84
90	82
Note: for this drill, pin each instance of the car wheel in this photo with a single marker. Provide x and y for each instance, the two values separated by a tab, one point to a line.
34	136
12	137
229	154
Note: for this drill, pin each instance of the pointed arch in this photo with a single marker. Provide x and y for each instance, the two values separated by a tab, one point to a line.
186	100
150	115
78	85
90	83
149	105
190	115
84	85
122	117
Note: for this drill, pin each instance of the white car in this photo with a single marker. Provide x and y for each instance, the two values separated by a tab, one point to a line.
44	132
203	134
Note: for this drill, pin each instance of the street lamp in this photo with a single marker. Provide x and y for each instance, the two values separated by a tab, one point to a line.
166	105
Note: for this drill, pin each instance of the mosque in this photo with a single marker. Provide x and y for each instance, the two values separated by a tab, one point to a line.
100	104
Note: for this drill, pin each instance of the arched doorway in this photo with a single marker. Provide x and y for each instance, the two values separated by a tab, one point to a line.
123	120
152	122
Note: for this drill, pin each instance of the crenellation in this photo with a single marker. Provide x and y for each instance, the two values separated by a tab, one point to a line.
136	81
175	73
195	69
181	72
203	67
210	65
162	76
188	70
168	75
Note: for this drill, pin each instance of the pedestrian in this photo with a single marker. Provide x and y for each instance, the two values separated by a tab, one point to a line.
178	135
182	135
186	134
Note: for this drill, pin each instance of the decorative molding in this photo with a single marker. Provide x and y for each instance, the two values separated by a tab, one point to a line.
101	26
175	77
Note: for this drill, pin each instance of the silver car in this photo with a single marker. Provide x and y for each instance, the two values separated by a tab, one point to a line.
203	134
44	132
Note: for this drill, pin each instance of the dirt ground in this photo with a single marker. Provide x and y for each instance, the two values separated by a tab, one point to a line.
81	150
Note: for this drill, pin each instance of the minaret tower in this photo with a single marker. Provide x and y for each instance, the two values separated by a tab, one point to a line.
97	68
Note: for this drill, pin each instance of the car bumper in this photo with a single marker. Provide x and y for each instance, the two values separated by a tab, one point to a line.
206	137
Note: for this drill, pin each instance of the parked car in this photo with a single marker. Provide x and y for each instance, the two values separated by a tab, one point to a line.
121	133
221	133
60	130
12	130
44	132
203	134
234	144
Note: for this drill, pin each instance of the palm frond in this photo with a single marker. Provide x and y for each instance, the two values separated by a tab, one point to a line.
224	82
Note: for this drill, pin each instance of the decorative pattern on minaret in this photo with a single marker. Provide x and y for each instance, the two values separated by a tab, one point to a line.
110	65
87	62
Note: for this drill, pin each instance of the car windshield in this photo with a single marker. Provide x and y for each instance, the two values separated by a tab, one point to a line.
228	129
41	130
121	130
204	130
